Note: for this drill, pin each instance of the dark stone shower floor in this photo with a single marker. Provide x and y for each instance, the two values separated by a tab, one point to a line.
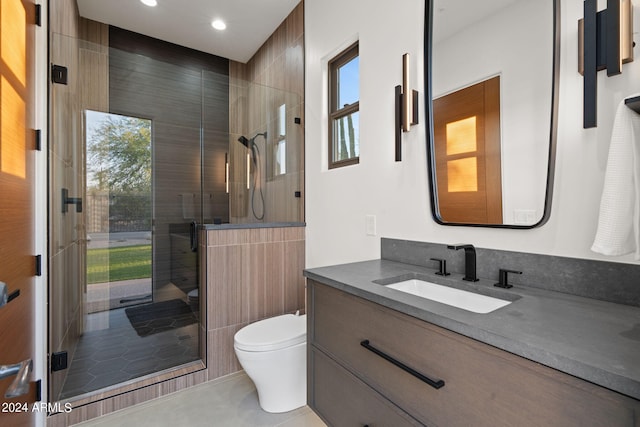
105	357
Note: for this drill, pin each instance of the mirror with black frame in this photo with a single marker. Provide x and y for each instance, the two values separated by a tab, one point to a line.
491	76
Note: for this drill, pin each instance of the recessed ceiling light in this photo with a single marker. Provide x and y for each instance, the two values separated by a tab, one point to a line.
151	3
218	24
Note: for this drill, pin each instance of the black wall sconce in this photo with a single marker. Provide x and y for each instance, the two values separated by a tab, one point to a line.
406	107
605	42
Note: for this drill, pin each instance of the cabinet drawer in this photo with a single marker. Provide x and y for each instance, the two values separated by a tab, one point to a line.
343	400
483	385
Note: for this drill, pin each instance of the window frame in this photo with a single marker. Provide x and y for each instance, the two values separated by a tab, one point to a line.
335	112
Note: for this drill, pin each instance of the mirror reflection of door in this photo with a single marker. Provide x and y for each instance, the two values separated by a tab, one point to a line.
517	40
467	154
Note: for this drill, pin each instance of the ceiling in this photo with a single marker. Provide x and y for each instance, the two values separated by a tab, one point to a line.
188	22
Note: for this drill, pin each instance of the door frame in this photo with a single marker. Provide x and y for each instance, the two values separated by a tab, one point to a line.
41	204
39	194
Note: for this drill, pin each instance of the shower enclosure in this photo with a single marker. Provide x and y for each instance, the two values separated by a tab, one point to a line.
149	141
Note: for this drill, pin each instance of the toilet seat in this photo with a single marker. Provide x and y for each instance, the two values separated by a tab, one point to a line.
274	333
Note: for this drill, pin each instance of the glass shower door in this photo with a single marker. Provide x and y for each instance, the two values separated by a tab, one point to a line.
125	185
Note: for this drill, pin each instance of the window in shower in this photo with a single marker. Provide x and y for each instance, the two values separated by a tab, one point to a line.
280	145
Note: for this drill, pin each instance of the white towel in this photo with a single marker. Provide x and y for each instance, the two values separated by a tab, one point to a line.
619	221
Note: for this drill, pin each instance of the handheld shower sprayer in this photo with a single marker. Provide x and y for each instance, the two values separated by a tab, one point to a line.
244	141
255	154
250	144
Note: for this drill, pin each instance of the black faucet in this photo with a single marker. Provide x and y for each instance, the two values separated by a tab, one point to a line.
469	261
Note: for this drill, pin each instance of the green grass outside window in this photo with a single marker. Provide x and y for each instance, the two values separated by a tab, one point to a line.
119	263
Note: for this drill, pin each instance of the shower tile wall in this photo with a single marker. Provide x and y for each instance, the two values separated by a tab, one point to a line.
251	274
272	77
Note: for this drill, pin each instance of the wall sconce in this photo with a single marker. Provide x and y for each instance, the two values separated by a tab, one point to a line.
226	172
605	42
406	107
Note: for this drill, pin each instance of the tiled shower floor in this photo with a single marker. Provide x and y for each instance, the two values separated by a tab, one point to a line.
113	353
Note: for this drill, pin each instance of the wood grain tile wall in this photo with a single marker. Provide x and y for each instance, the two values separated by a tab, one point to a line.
272	77
251	274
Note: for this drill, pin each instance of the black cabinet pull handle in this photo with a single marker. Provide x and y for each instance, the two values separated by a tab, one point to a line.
433	383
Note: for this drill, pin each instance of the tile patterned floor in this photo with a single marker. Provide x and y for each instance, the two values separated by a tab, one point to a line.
113	353
230	401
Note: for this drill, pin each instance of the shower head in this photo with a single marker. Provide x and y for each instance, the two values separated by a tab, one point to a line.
244	141
250	144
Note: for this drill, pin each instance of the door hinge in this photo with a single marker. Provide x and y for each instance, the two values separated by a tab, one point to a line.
38	265
58	361
38	15
59	74
38	139
39	391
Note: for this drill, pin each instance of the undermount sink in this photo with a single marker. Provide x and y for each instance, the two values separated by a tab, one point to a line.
465	300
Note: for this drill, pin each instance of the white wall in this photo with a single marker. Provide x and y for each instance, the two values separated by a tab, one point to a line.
397	193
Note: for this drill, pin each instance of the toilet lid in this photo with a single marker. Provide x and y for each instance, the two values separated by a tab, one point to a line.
273	333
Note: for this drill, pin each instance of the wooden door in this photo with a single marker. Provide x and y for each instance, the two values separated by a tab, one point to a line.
467	151
17	262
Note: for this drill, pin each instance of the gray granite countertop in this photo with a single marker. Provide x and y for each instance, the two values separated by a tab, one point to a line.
594	340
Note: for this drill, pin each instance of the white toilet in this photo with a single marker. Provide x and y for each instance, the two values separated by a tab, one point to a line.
273	353
193	299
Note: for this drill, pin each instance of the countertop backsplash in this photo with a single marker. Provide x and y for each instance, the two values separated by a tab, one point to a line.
602	280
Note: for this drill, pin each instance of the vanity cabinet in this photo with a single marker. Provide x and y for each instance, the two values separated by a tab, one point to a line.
483	386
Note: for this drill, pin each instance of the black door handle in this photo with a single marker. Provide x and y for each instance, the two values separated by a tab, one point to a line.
433	383
66	200
5	296
193	236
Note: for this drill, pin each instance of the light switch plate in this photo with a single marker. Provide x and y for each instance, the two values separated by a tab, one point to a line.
370	225
524	217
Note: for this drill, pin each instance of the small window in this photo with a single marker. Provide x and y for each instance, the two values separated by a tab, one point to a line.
344	105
